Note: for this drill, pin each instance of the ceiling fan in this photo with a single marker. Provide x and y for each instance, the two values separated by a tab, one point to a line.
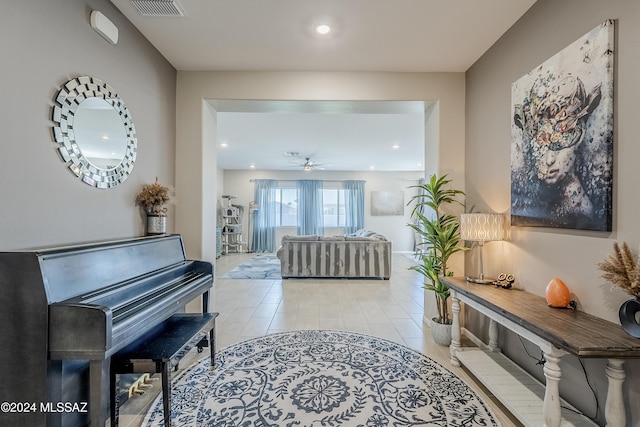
308	164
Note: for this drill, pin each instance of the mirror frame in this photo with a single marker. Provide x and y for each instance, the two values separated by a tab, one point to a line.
67	101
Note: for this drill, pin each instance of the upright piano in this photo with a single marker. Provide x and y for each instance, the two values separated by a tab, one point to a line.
65	311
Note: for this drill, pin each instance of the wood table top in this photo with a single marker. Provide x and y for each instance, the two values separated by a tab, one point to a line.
574	331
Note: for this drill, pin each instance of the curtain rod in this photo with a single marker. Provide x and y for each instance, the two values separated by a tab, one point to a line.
324	180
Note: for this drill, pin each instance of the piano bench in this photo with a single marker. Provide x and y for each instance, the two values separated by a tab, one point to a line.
160	351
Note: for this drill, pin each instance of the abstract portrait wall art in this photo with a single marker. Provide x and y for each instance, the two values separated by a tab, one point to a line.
562	137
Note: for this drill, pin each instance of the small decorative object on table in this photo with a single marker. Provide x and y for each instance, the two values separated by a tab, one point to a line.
154	199
505	280
558	295
622	269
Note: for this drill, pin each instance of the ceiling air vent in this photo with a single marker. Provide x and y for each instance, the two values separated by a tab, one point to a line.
158	8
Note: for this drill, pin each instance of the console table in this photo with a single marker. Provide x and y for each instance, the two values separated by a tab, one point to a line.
557	332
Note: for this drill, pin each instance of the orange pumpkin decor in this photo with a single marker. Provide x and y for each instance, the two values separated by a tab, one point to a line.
558	295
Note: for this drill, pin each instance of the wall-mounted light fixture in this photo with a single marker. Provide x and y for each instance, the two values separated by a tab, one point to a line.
481	228
103	26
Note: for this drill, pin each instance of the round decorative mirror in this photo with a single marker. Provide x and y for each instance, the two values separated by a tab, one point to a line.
94	132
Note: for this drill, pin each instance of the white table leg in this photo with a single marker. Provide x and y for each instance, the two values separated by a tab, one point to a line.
493	335
551	407
614	411
455	329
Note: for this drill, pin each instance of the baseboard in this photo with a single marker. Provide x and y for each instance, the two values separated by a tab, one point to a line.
474	339
426	321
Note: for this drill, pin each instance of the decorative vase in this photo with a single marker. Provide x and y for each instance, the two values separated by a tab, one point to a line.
628	317
156	224
441	332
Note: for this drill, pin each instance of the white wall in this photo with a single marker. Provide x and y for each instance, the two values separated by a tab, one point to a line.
536	255
195	87
238	183
44	44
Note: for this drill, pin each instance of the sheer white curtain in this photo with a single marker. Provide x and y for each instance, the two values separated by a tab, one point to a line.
264	222
354	206
418	243
310	213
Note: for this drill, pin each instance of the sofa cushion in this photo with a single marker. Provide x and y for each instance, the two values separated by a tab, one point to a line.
369	234
332	238
358	238
302	238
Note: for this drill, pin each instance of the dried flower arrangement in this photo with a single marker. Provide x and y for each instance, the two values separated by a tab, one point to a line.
154	198
622	269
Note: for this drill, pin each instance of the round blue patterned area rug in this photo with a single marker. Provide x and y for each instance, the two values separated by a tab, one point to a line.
321	378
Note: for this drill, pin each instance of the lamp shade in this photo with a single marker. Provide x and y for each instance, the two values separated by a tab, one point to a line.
482	227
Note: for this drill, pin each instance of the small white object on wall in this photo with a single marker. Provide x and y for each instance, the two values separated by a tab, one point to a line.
104	27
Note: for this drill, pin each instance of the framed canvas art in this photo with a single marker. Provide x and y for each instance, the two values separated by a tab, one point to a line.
562	137
387	203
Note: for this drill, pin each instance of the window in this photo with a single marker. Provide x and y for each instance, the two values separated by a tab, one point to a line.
287	207
333	207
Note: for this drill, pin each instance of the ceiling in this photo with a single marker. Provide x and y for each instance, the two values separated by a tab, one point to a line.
366	35
331	134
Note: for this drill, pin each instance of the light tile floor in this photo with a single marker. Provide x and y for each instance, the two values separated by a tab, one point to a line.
390	309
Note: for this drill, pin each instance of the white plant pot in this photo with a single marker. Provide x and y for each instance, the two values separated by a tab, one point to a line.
441	333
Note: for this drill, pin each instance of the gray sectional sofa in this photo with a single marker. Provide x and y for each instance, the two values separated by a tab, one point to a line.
364	254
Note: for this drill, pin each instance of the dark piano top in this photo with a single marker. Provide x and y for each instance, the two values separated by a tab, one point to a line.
75	270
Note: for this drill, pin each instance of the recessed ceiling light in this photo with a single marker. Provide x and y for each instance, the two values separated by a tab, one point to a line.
252	166
323	29
224	144
395	146
372	167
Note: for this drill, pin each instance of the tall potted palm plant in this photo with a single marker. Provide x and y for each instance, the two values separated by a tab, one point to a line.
440	238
